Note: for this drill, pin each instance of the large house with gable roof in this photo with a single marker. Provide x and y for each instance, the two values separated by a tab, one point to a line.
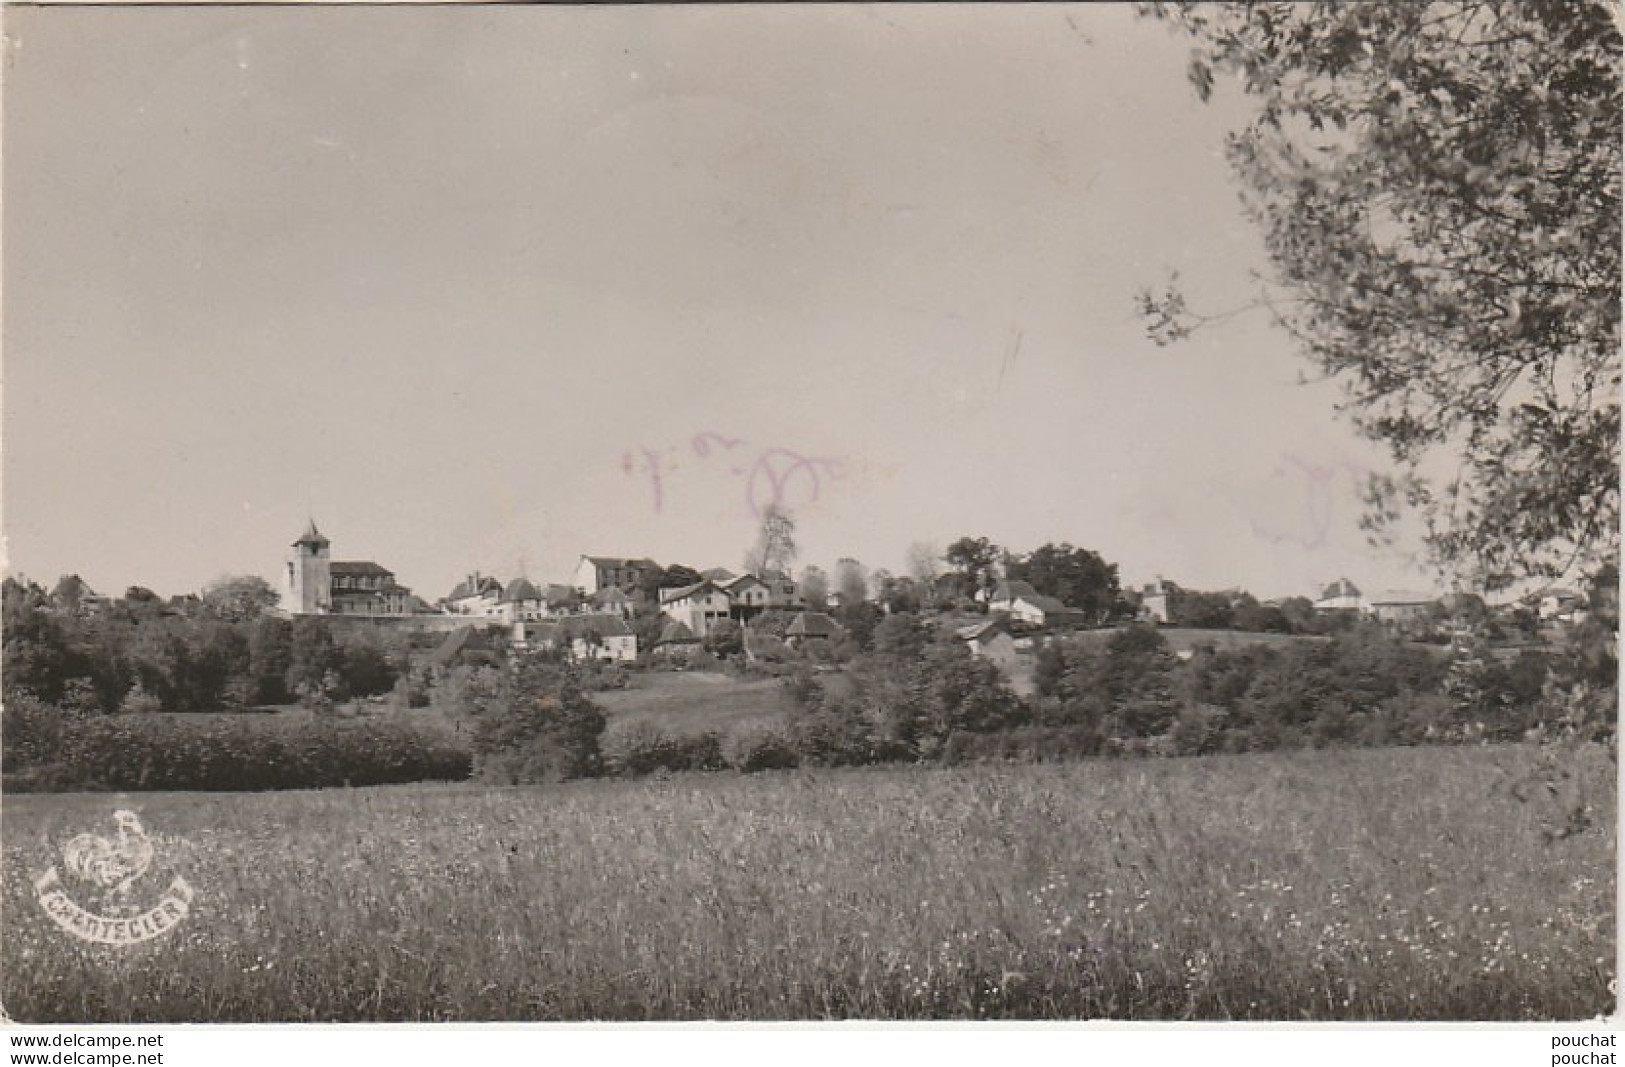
594	574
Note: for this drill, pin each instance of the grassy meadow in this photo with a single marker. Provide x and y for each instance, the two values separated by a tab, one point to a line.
689	702
1360	884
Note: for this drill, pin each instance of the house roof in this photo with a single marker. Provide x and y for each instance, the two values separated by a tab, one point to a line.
1015	589
1392	597
462	639
719	574
813	624
617	561
520	589
1340	588
667	596
73	585
559	594
612	595
744	581
1047	604
359	567
474	585
982	632
601	625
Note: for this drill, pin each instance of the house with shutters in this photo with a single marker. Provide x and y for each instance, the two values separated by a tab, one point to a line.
594	574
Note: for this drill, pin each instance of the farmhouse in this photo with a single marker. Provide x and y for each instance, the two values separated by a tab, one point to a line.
1398	606
812	626
582	637
748	596
990	640
699	606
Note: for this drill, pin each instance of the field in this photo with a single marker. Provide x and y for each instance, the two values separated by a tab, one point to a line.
1366	884
689	702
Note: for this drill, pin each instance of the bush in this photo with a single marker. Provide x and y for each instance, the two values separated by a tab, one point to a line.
642	748
760	748
1027	744
534	724
31	732
161	752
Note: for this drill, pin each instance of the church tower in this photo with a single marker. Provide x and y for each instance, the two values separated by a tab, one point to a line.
309	586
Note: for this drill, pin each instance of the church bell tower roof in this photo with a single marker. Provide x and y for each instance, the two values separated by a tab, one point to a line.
312	536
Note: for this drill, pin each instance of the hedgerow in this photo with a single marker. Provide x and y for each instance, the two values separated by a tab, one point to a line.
160	752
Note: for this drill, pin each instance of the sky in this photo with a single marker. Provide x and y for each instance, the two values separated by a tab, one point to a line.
489	288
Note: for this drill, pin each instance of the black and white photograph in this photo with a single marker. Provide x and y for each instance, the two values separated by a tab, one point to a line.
773	513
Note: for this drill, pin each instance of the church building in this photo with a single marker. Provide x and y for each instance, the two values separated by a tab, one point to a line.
316	584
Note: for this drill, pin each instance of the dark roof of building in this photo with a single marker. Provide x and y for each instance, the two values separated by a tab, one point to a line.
474	585
312	536
359	567
669	595
1014	589
617	561
520	589
813	624
612	595
560	594
719	574
601	625
1047	604
1341	587
734	585
983	631
462	639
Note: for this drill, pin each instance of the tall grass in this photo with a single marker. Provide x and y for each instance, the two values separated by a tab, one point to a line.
1392	884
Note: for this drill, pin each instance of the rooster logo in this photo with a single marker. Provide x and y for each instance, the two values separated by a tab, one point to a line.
113	865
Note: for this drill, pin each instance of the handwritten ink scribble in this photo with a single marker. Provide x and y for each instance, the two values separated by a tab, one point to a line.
775	477
1320	493
702	443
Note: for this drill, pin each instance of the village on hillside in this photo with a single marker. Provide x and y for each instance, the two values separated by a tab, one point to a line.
619	609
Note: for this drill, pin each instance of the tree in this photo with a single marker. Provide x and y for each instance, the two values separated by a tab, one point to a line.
775	548
974	557
896	593
1438	187
239	597
814	586
726	638
1074	576
533	724
925	568
851	581
673	577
